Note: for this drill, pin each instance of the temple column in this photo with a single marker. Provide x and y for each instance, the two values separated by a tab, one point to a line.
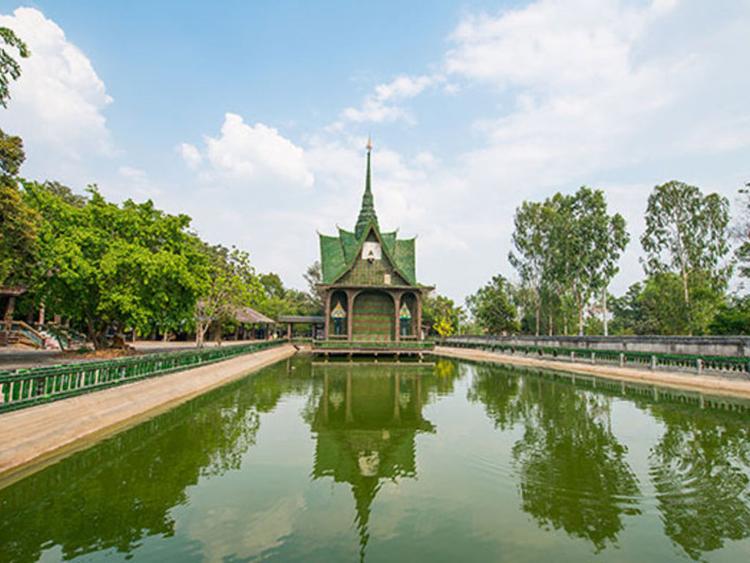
419	315
397	322
350	314
327	313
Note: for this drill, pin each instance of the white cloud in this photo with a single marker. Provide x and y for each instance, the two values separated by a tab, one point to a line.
256	154
190	154
381	106
596	90
580	93
57	104
131	173
132	183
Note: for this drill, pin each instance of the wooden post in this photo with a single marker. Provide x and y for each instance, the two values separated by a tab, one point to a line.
289	331
9	309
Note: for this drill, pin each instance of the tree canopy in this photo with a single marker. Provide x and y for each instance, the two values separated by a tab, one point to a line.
493	308
10	69
687	233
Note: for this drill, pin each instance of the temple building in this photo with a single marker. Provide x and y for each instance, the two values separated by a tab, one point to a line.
369	283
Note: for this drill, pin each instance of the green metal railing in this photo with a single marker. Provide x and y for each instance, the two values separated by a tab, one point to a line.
724	365
26	387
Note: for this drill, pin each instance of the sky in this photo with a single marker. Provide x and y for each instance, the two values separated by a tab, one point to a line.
252	117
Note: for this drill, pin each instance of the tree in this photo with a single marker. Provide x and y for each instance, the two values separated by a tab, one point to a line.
313	277
442	314
566	252
655	306
114	268
732	317
272	285
493	308
530	239
277	300
592	242
9	67
18	222
686	233
229	282
742	232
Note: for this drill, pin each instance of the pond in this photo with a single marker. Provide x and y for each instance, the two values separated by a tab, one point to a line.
444	462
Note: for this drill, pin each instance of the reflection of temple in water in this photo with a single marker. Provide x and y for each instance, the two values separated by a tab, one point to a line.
366	423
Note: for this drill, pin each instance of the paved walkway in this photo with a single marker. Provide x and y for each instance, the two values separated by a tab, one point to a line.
712	385
15	357
37	436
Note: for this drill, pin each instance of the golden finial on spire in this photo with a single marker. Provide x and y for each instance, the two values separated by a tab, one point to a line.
369	143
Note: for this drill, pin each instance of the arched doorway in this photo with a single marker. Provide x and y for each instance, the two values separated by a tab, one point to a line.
407	315
373	316
339	314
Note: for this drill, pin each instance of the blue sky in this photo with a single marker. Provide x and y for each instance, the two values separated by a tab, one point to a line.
252	117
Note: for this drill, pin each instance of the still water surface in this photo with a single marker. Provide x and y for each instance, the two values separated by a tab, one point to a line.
452	462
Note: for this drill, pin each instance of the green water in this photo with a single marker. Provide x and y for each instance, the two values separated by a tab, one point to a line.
456	462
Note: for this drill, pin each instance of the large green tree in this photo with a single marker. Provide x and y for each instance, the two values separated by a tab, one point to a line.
112	268
493	308
567	250
18	222
592	242
687	233
9	67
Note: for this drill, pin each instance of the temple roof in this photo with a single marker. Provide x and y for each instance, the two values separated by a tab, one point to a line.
367	213
338	253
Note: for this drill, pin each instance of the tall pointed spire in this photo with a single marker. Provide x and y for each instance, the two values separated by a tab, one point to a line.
367	211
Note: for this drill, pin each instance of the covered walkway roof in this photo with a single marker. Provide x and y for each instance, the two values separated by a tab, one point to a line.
251	316
301	319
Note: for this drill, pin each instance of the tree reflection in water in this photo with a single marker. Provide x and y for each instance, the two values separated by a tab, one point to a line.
700	469
573	474
572	469
117	493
